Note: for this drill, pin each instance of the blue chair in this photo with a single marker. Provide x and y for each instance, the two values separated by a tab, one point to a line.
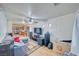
46	38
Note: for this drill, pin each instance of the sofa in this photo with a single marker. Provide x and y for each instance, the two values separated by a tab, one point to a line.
9	48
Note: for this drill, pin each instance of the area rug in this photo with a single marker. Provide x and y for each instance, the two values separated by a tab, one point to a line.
32	46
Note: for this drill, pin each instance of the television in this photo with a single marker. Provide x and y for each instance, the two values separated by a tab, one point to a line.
38	31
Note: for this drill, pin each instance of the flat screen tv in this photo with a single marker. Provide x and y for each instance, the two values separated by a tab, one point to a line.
38	31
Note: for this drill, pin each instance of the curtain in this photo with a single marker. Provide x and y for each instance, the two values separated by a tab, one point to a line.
75	36
3	25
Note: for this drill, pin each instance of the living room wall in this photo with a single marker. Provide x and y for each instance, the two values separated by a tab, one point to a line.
62	27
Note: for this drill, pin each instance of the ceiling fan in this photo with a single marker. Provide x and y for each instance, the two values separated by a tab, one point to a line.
31	20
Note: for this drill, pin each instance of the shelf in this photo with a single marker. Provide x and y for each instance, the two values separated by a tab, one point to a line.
20	28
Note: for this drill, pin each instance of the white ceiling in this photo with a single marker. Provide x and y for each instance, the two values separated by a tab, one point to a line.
42	11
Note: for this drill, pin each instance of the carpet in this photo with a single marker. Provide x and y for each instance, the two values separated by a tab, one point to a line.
32	46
